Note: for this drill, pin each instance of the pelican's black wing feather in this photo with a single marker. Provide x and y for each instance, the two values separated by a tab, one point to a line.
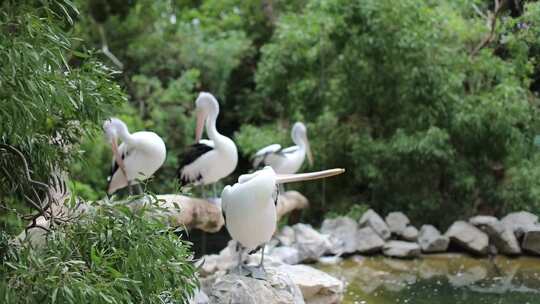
191	154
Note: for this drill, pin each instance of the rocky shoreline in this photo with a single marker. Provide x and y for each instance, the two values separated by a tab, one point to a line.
288	281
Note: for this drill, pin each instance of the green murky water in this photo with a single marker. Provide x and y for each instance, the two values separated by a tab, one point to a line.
439	279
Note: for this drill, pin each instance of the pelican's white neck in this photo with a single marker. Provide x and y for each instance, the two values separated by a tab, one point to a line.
116	127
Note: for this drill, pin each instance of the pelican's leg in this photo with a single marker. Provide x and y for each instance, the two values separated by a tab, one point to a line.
214	189
259	272
140	189
130	188
240	268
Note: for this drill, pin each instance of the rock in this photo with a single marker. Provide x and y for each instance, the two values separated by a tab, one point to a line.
371	219
316	286
502	236
410	234
401	249
199	298
481	220
311	244
431	240
344	230
330	260
519	222
468	237
278	288
531	240
368	241
286	236
226	259
288	255
397	222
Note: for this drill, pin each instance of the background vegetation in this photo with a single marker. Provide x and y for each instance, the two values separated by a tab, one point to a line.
429	112
431	106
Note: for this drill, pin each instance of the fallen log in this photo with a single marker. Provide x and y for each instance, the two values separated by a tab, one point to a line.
207	216
179	210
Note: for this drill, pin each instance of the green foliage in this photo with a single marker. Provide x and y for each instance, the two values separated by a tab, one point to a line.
390	90
421	124
51	95
114	255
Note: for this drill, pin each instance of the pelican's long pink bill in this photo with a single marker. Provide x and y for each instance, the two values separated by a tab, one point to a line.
289	178
201	117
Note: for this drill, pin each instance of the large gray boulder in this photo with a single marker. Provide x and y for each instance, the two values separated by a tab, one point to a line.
519	222
431	240
397	222
317	287
502	236
482	220
289	255
468	237
286	236
278	288
531	240
343	229
371	219
410	234
311	244
368	241
401	249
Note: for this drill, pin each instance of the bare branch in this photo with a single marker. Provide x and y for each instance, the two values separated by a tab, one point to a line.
492	19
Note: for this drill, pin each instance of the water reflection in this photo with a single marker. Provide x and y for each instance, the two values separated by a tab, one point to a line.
444	278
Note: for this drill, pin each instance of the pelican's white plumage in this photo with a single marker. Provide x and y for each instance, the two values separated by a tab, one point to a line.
288	160
249	208
142	153
208	161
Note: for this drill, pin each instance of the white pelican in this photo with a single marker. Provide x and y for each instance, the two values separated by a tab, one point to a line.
249	207
139	156
207	161
288	160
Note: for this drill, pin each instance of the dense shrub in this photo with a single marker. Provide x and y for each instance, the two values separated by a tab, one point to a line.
111	255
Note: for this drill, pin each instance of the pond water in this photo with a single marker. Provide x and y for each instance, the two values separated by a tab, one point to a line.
439	279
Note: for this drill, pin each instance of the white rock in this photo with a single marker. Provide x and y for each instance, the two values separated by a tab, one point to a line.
311	244
410	234
344	230
468	237
288	255
278	288
431	240
368	241
481	220
531	240
397	222
286	236
371	219
401	249
330	260
519	222
502	236
317	287
199	298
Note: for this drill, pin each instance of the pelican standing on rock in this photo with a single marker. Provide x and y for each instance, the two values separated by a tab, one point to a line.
288	160
249	208
207	161
139	156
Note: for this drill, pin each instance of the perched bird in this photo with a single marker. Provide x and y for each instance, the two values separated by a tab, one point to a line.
207	161
288	160
139	156
249	207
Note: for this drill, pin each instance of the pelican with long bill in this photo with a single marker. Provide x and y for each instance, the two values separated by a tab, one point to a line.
249	208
